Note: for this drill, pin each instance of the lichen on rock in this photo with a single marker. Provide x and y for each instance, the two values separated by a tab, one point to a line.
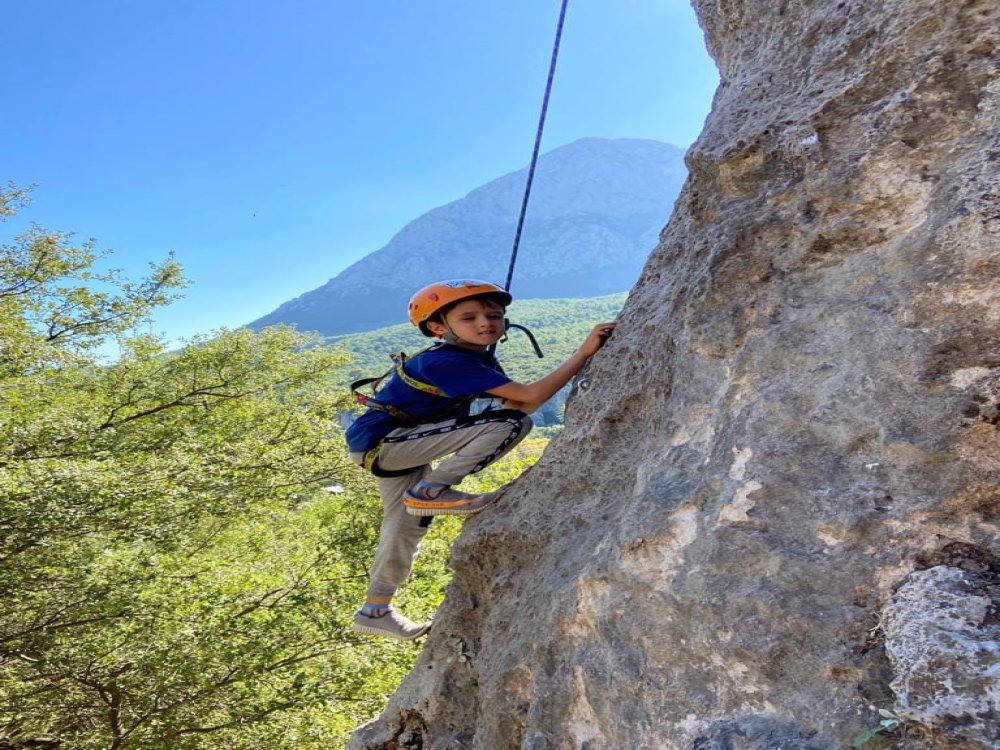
942	635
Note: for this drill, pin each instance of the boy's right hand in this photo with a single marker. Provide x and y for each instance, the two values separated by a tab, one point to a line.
533	395
597	338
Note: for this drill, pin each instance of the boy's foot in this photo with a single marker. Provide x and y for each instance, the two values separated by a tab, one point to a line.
445	502
391	625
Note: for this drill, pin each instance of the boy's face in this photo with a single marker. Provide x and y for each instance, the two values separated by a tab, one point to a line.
474	321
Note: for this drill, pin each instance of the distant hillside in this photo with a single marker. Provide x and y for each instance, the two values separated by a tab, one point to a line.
560	325
596	211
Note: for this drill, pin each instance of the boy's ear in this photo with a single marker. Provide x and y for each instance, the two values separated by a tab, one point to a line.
435	327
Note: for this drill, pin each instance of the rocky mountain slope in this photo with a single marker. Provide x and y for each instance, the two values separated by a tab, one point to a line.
597	206
773	519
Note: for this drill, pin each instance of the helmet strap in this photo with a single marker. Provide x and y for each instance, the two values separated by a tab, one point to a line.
450	337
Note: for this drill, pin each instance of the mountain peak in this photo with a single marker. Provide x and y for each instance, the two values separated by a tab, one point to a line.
597	206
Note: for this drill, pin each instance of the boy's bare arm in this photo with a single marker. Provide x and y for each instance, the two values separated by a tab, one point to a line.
528	397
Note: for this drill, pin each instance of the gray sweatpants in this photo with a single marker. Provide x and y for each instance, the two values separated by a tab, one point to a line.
474	442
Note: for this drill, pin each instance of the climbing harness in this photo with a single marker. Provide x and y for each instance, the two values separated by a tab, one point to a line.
511	417
454	410
405	420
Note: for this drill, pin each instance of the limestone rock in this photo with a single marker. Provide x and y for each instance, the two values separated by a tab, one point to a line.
797	411
942	635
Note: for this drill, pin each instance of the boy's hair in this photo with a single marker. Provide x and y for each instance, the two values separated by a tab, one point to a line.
490	298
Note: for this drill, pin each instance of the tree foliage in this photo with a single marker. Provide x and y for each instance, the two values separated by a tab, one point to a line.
182	541
172	572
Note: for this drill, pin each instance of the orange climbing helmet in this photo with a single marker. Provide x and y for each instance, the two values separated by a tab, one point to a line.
440	294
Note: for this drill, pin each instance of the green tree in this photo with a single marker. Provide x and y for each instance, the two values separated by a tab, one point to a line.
182	542
172	573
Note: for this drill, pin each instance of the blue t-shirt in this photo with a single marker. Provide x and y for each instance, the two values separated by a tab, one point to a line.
456	371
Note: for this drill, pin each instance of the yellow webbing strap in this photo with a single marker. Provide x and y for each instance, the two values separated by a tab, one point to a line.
368	460
372	402
418	384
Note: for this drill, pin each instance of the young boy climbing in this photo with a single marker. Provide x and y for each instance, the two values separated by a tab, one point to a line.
421	414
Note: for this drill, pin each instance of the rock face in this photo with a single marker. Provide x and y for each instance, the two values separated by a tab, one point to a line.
791	434
942	634
597	208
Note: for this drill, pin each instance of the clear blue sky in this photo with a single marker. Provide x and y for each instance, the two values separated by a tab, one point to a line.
270	145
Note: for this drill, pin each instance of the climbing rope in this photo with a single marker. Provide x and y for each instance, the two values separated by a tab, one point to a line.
538	143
